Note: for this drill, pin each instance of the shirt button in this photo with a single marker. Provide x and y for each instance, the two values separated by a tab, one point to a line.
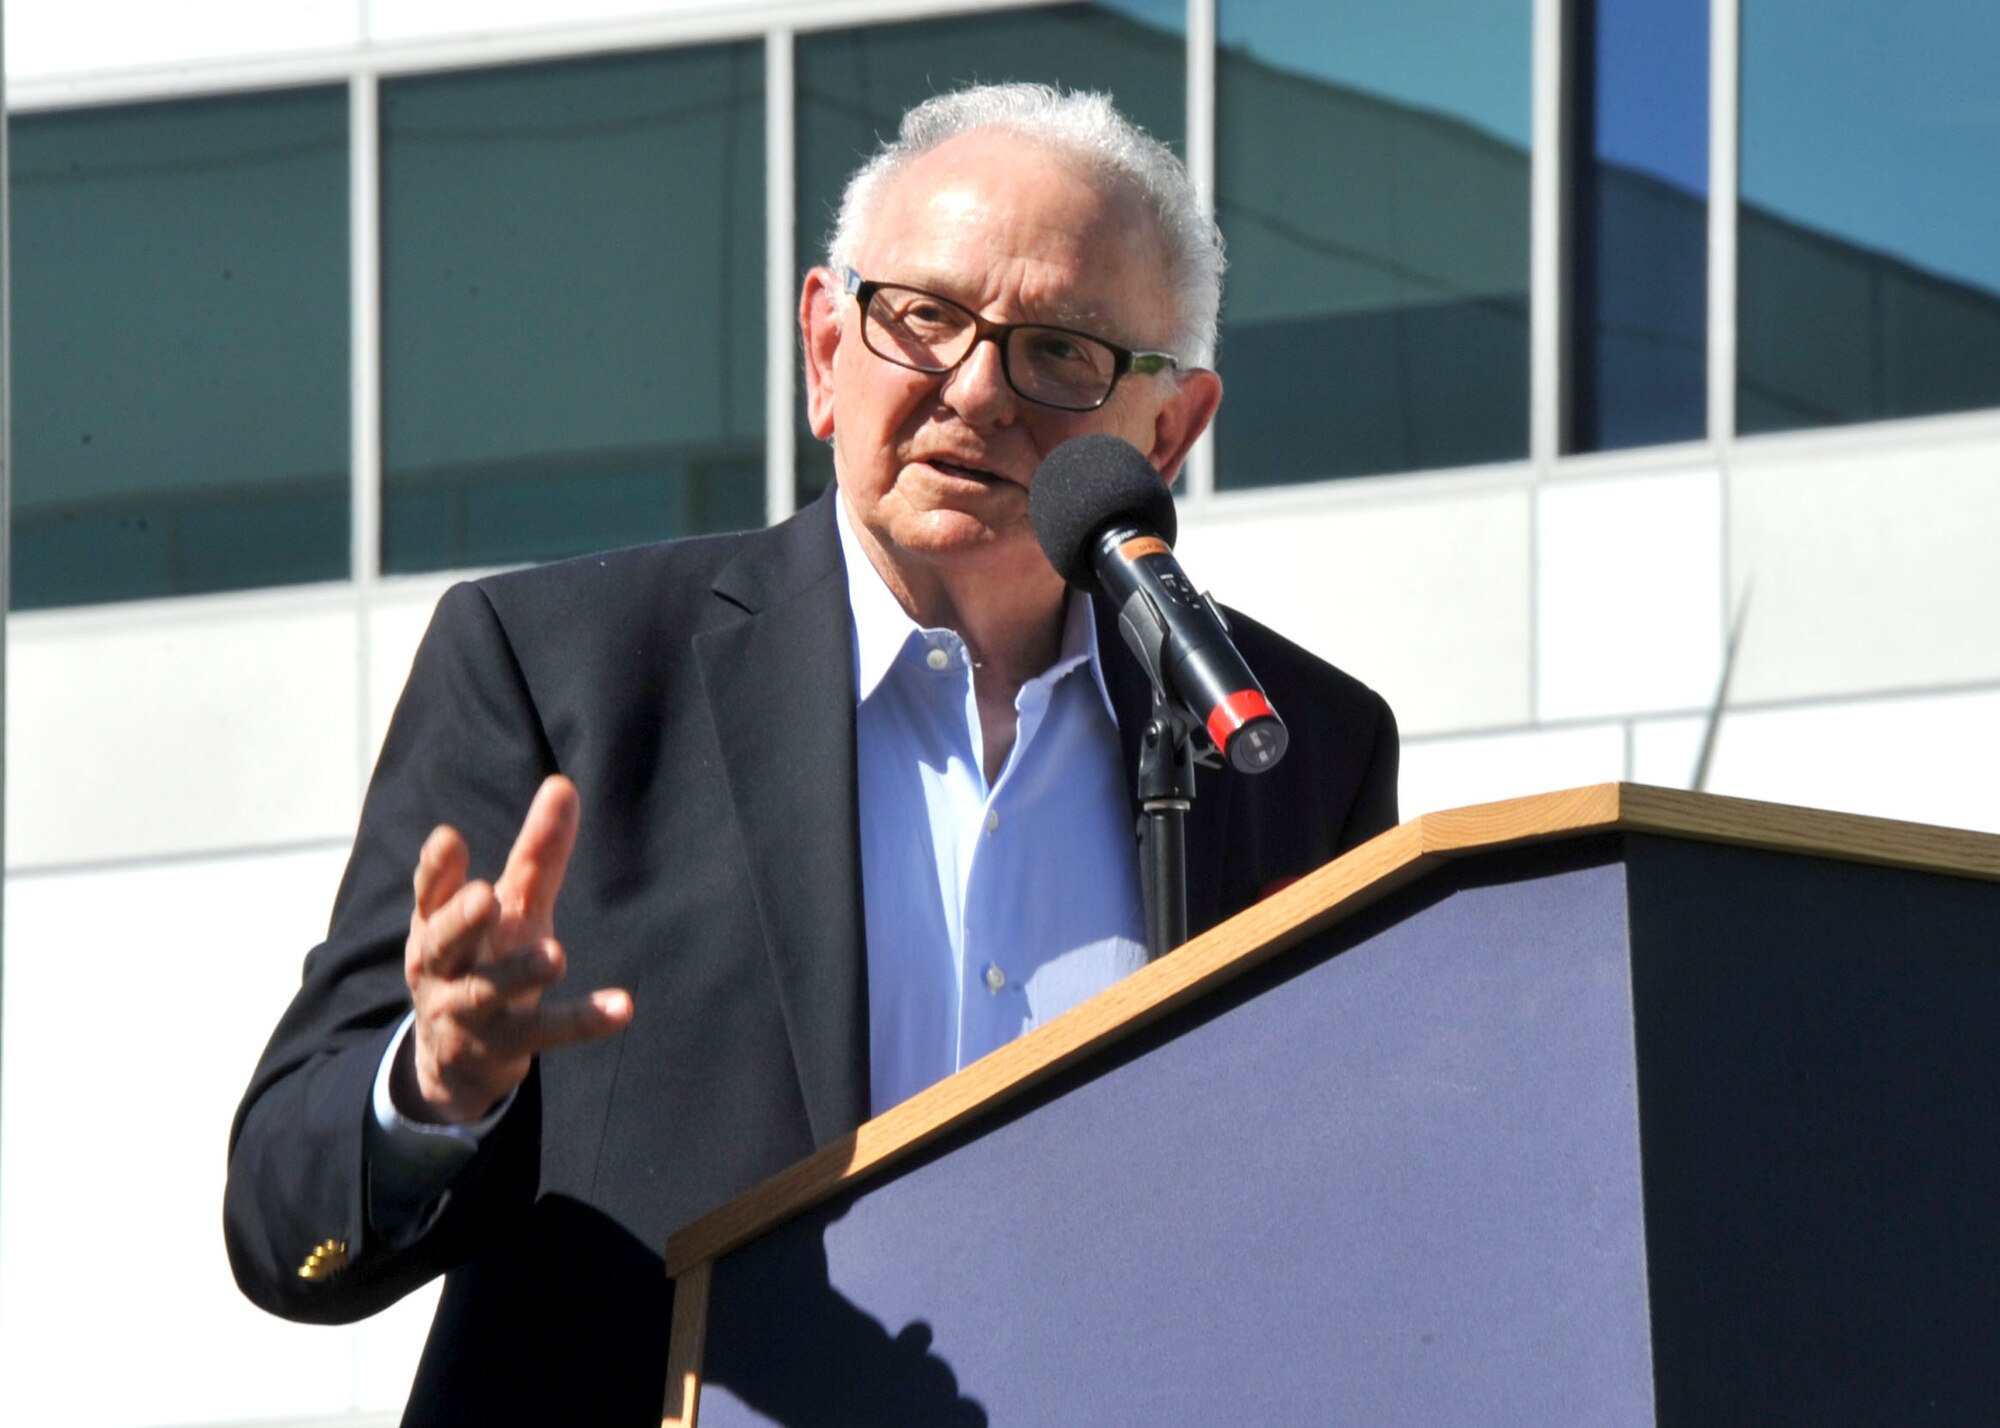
993	822
937	659
995	978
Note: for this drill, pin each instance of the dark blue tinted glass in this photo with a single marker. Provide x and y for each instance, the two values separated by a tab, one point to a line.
854	86
573	333
1869	228
180	360
1372	182
1639	242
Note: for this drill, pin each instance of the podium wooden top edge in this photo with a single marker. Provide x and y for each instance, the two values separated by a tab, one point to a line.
1317	901
1707	817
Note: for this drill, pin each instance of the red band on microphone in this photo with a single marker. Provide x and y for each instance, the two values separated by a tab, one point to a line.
1236	711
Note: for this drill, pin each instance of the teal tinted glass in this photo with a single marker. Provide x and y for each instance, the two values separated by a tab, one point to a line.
1869	267
572	330
1372	183
854	85
180	347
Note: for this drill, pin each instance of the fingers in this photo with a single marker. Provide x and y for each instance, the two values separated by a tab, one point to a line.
441	865
456	936
499	985
515	1035
477	1032
540	856
565	1023
459	924
465	1065
480	956
500	1004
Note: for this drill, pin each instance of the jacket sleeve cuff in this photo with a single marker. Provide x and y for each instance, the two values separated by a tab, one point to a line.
411	1163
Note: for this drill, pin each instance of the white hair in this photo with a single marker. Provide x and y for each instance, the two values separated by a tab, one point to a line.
1089	127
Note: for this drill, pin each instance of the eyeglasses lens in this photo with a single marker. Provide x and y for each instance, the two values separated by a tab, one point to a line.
917	329
1044	364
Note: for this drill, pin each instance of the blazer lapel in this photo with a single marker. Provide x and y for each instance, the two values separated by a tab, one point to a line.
1132	699
780	685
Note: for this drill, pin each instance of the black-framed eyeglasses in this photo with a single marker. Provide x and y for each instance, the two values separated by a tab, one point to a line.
1052	366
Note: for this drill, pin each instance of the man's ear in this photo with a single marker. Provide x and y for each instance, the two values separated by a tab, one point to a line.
1186	415
819	329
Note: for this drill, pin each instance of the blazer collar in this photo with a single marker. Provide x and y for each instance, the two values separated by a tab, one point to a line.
780	685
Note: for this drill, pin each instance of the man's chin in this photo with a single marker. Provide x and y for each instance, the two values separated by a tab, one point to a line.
945	531
969	540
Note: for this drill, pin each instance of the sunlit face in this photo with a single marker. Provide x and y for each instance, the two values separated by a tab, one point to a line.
936	468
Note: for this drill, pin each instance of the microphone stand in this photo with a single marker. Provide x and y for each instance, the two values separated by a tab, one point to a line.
1166	792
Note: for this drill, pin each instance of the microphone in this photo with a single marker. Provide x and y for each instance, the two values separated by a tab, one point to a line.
1106	521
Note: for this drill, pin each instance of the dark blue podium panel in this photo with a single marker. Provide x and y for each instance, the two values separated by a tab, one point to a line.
1819	1074
1628	1130
1396	1185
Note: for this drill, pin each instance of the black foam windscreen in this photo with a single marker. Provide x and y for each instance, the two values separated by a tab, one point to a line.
1084	485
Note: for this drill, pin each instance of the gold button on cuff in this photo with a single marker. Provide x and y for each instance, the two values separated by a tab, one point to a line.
327	1258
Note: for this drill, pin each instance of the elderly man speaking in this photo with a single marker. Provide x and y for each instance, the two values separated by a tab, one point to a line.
815	815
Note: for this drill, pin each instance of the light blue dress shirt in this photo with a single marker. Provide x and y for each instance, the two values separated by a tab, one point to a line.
989	909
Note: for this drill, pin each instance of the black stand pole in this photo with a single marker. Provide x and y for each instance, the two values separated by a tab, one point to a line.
1166	792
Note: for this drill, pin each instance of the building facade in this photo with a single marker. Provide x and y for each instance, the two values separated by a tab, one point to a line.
1603	376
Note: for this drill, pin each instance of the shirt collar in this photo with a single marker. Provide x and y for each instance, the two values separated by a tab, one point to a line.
882	627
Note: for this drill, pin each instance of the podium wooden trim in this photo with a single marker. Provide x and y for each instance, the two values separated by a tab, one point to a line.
1323	898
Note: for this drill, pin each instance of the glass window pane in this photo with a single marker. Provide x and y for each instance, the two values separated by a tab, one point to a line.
854	85
1639	246
572	331
1869	269
1372	182
180	363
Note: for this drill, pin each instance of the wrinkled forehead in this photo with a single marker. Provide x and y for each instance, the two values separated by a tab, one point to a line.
1000	221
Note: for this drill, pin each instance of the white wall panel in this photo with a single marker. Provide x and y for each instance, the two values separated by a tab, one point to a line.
136	1003
1665	751
47	38
181	726
1876	567
1424	597
1927	758
1628	594
1452	772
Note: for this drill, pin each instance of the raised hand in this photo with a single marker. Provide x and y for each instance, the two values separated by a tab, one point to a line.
480	957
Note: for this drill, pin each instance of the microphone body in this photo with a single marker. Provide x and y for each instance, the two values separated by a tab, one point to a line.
1180	638
1106	521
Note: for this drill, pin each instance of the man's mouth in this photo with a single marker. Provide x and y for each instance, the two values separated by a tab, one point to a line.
964	471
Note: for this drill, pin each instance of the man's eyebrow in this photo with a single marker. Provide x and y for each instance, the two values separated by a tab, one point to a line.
1087	318
1068	314
1063	314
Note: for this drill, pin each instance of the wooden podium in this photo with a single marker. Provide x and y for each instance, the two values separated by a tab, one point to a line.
1612	1106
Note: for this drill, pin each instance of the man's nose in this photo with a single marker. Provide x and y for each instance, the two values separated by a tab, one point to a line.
977	387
